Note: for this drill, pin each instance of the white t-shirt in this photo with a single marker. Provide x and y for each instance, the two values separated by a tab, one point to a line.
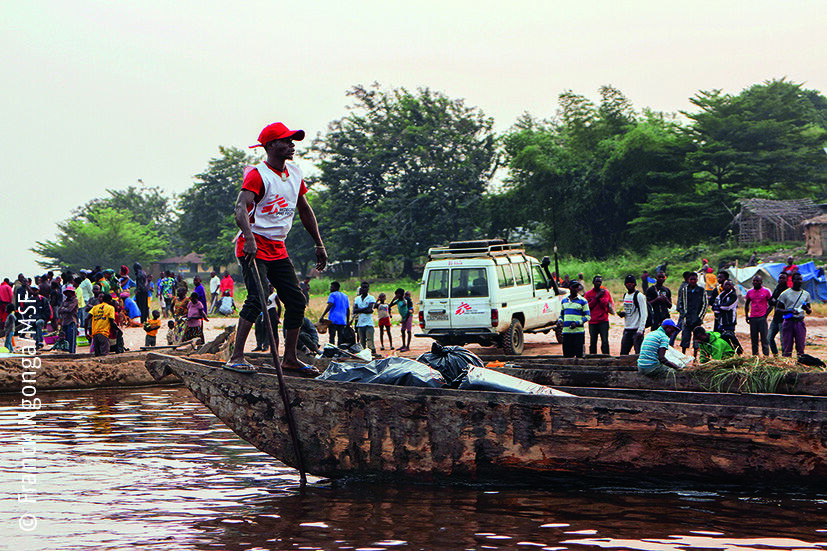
635	317
215	283
225	306
273	214
794	299
364	319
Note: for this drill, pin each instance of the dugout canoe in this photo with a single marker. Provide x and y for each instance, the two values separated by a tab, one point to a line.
355	429
600	371
63	371
549	360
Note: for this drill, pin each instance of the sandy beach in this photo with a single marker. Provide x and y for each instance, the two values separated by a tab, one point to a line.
534	344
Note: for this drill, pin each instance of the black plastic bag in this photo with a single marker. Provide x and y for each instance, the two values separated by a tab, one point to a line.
347	337
452	361
806	359
387	371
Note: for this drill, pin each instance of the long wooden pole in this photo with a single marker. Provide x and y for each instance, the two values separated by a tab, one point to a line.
288	410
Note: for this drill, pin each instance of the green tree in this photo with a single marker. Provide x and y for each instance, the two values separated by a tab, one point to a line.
593	170
103	236
768	140
402	171
206	224
149	206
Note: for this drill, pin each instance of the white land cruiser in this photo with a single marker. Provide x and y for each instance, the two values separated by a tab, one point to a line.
487	292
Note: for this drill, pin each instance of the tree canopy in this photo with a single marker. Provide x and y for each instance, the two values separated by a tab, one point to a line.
149	206
403	170
206	224
104	236
611	177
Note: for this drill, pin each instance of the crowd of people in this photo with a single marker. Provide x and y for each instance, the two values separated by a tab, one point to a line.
768	313
57	309
349	325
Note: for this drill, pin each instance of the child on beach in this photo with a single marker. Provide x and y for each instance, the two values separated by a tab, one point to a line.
384	321
406	313
151	327
171	332
195	314
226	306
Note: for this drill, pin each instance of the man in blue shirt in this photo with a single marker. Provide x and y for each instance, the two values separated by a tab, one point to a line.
652	358
338	305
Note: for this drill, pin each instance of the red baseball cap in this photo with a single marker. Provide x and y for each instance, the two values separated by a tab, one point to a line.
277	131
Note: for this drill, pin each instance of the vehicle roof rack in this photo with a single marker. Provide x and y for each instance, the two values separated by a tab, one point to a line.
475	249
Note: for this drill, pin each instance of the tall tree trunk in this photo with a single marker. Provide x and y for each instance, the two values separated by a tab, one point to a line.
408	269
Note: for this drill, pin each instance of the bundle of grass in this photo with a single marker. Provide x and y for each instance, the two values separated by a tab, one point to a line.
749	374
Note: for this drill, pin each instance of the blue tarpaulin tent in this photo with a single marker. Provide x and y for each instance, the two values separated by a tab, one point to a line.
815	281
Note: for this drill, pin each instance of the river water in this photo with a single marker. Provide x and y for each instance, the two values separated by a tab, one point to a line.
151	468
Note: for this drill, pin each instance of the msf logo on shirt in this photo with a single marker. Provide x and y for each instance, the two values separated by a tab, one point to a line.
275	205
464	308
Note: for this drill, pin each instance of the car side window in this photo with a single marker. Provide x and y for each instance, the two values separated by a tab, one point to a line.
540	282
505	277
469	282
521	274
437	286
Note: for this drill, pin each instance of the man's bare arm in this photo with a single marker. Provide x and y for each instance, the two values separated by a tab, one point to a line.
308	218
245	200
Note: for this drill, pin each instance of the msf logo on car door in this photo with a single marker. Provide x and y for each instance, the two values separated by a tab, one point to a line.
463	308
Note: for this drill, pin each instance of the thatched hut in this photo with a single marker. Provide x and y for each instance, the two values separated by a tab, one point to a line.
815	233
766	220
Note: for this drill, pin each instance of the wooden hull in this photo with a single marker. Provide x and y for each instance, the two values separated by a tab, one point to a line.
812	384
353	429
594	360
59	371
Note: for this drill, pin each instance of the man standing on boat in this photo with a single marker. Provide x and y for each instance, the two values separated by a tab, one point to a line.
272	192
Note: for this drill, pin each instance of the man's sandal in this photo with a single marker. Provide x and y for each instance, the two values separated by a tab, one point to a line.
241	367
306	371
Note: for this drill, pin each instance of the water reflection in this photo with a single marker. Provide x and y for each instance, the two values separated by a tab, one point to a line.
152	467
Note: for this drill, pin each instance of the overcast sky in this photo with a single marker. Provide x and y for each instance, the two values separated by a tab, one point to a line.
96	95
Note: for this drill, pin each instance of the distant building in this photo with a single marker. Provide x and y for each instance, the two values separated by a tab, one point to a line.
766	220
188	266
815	233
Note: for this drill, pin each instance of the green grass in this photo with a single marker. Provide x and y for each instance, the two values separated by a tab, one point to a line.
747	374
